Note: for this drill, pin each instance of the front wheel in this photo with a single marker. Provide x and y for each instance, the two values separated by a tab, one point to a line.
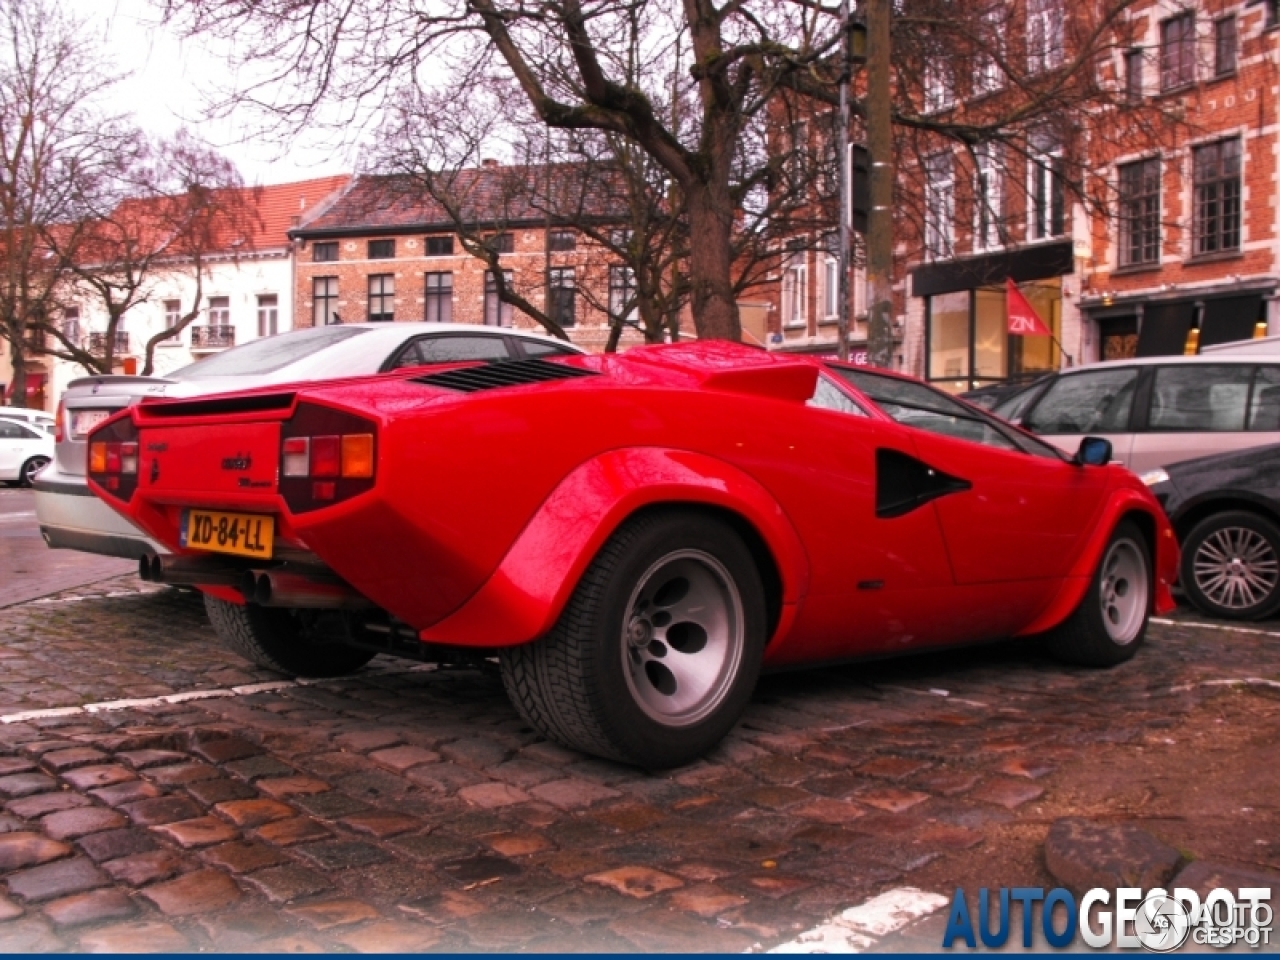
1110	622
277	638
1231	566
656	654
30	469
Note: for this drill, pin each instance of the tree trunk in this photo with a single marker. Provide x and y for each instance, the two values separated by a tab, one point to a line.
18	359
715	311
880	216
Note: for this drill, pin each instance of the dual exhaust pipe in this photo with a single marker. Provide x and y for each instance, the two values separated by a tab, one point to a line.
267	588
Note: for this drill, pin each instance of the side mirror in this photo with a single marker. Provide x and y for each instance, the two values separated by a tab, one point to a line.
1094	452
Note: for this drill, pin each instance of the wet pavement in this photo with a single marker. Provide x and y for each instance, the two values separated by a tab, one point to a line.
160	793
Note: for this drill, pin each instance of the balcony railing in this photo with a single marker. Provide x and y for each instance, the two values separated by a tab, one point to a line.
96	343
212	337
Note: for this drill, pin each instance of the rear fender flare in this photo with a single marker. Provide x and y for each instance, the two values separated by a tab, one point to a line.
1164	557
522	599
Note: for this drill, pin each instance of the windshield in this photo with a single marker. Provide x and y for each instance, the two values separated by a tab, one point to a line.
916	405
267	355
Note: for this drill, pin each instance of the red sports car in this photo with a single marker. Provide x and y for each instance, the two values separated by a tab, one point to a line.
634	536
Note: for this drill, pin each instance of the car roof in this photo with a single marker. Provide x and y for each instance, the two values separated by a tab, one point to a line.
7	419
1216	359
406	328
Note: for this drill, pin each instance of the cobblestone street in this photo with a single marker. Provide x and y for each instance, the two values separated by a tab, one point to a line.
409	807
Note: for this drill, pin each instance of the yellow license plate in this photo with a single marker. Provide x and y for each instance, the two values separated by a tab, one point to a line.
242	534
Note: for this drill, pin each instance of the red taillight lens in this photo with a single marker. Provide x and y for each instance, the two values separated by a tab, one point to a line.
326	456
113	456
59	428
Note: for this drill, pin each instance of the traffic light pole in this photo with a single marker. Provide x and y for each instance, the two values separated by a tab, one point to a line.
846	185
879	119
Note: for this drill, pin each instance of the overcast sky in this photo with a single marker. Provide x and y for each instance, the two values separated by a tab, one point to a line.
170	80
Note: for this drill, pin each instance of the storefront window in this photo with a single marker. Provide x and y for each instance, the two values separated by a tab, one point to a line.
969	341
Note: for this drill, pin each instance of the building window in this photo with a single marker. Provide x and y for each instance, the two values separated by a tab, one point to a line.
496	312
268	315
439	297
1178	51
940	205
622	292
988	198
1048	199
172	313
562	295
382	249
1216	176
1273	14
439	246
1044	35
967	340
562	241
939	85
1133	78
324	252
324	301
795	289
831	279
987	74
382	297
501	242
219	311
1224	47
71	324
1140	212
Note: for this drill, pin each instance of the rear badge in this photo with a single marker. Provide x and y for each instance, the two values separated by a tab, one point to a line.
241	461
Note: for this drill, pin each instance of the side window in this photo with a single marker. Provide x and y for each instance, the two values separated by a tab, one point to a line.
1096	402
1200	398
827	396
11	431
540	348
409	356
454	349
1264	411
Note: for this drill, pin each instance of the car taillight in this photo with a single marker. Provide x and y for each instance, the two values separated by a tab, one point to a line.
326	456
113	456
59	425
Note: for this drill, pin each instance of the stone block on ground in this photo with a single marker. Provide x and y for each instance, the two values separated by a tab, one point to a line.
1081	854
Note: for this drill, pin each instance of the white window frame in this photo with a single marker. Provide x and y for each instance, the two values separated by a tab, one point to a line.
795	290
1044	35
939	85
988	76
988	198
1040	177
940	206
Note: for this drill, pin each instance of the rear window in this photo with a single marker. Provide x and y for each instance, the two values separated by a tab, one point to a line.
267	355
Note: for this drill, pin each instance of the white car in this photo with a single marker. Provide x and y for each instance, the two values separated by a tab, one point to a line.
45	421
25	450
71	517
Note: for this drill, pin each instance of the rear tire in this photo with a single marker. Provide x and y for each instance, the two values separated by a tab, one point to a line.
30	469
274	638
657	652
1110	622
1231	566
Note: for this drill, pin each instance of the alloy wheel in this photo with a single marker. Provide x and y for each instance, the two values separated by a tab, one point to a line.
1124	591
1236	568
683	638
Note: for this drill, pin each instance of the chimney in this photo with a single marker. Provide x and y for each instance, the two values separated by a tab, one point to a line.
489	162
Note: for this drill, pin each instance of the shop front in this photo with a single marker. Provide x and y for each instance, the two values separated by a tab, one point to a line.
968	341
1170	323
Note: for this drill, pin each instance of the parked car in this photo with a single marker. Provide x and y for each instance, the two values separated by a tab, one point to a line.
633	536
993	394
45	421
1157	410
25	449
71	517
1225	510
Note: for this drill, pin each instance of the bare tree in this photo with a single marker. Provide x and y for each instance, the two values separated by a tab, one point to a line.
183	203
57	150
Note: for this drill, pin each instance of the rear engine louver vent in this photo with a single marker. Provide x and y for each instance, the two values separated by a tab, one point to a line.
511	373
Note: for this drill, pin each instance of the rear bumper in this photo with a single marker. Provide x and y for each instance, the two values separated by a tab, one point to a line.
72	518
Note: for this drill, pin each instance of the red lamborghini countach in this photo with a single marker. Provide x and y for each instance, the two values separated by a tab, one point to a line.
634	537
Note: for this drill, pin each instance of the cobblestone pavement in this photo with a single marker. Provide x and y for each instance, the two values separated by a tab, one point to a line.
409	808
28	569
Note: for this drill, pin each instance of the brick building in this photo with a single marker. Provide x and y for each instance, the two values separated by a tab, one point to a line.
1141	226
387	251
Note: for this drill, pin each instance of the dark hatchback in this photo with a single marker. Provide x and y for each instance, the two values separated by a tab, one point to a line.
1225	509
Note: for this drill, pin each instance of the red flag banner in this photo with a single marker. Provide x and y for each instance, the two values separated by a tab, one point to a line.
1023	319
